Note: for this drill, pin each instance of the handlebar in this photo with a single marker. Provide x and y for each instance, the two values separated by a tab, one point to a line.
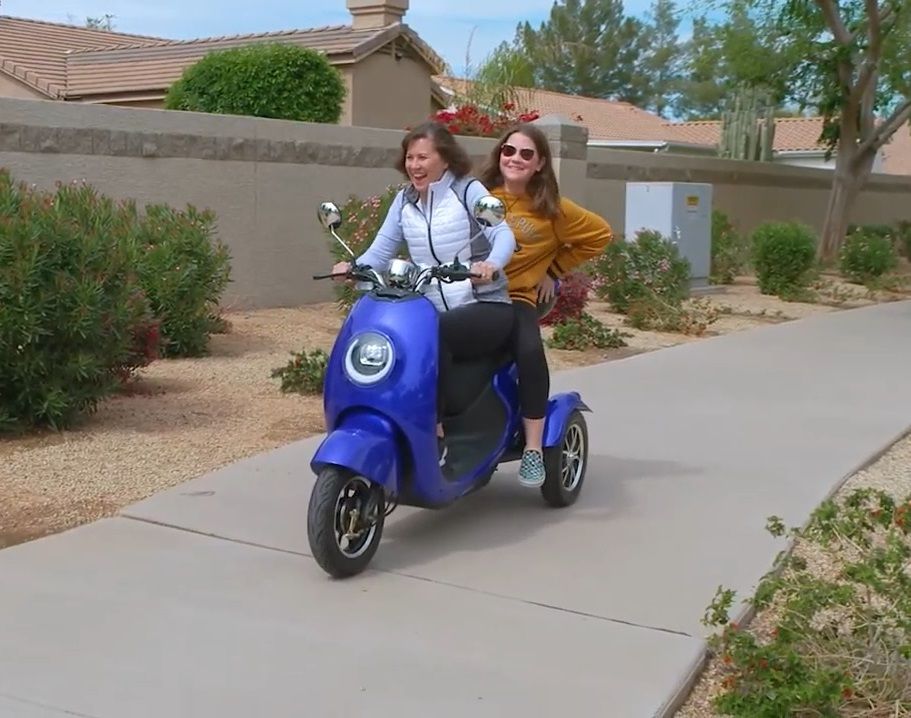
444	273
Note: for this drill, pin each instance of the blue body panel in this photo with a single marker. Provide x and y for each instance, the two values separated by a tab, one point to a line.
386	432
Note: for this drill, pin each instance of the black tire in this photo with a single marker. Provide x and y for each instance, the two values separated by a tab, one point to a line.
335	494
566	463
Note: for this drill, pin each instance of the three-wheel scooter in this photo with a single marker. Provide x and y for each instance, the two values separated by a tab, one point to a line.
380	405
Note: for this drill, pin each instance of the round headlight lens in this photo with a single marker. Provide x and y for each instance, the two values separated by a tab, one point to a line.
369	358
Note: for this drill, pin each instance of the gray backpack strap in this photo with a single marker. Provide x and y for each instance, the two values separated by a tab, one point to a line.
480	245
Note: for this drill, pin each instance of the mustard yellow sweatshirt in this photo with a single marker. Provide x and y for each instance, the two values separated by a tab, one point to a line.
545	246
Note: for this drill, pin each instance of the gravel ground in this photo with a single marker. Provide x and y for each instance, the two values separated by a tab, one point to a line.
890	473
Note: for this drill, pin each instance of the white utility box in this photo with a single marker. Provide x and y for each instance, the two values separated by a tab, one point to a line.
682	213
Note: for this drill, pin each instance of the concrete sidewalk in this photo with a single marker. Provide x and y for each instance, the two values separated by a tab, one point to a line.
202	601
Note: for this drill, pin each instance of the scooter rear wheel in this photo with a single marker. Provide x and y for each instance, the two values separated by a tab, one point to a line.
345	521
566	463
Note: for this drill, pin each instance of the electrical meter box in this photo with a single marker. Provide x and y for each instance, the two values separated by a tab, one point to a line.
682	213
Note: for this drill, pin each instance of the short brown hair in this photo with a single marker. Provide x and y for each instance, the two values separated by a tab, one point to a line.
445	144
543	187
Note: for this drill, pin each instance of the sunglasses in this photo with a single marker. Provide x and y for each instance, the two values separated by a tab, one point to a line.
525	153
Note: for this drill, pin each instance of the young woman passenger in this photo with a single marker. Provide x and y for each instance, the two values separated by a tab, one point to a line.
429	216
554	235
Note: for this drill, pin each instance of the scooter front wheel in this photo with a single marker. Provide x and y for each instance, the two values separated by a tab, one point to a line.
566	463
344	521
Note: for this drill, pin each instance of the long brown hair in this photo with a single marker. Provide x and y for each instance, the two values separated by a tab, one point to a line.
445	144
542	187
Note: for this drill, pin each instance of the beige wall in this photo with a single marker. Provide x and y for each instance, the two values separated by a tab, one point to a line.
390	93
265	178
11	87
749	192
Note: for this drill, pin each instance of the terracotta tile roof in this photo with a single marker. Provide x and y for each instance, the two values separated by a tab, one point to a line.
791	133
605	119
80	62
801	134
34	51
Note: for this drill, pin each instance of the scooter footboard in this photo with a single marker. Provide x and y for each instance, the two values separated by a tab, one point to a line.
364	443
559	408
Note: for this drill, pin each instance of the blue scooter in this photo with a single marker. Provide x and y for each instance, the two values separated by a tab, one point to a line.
381	413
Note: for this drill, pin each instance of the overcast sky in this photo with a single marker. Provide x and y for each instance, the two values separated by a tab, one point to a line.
446	25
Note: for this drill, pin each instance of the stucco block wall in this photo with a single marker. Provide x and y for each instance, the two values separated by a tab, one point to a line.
265	178
749	192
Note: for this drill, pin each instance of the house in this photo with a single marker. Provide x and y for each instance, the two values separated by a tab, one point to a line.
796	141
610	123
386	66
621	125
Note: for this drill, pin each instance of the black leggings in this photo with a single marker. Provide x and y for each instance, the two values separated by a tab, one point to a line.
531	362
470	332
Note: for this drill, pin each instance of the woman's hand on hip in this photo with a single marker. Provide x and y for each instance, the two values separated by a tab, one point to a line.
546	289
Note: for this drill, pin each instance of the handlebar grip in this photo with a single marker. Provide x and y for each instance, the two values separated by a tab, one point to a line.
330	276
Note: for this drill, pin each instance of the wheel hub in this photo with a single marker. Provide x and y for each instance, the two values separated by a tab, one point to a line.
355	523
573	457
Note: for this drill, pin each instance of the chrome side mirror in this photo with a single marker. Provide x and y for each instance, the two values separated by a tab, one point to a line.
489	211
330	216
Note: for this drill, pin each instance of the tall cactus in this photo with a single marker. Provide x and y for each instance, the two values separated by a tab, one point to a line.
743	135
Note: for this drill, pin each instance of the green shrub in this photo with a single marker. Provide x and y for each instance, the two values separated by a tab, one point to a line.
903	230
263	80
729	250
836	634
71	304
184	271
783	255
867	255
583	332
652	313
361	220
305	373
649	266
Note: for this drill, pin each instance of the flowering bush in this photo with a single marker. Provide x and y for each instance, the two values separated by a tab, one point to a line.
571	300
361	219
467	119
70	303
649	267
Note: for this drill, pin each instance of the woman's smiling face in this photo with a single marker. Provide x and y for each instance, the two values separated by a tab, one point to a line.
423	164
519	159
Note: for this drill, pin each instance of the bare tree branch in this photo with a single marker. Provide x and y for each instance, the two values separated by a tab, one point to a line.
834	21
896	120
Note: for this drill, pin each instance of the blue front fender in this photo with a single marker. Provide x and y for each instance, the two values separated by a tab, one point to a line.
365	444
559	408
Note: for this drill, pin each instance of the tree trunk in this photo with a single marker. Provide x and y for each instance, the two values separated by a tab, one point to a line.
851	173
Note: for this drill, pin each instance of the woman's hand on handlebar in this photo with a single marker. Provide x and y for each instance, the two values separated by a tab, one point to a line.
485	272
341	269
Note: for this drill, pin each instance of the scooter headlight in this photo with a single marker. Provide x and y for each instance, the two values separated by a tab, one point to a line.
369	358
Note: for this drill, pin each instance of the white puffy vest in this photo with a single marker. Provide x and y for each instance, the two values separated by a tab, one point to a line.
435	235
